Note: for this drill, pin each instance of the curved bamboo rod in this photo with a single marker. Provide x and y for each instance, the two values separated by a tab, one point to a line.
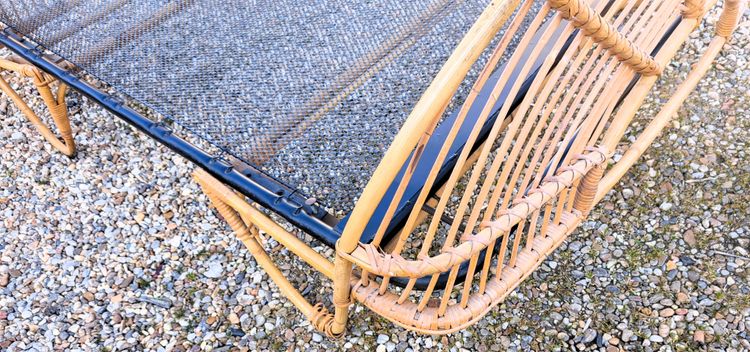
425	114
595	26
264	223
370	258
422	119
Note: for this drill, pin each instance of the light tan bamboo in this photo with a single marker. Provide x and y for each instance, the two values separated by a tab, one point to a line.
579	109
623	75
622	81
593	25
529	122
519	232
489	212
484	152
369	257
229	205
463	164
427	321
573	191
635	98
55	103
424	115
264	223
429	108
444	317
655	127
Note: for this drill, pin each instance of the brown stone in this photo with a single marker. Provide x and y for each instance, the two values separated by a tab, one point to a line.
689	238
699	336
666	312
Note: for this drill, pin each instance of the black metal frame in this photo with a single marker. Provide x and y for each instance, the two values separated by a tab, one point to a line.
289	203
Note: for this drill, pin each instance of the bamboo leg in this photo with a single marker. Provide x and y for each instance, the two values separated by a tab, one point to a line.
55	102
226	203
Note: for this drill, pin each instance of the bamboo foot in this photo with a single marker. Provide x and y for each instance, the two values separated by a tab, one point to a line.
246	221
55	103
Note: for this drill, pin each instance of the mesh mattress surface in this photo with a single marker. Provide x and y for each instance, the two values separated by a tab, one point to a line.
312	92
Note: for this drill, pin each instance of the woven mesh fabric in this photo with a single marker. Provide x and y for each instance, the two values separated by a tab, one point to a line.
312	92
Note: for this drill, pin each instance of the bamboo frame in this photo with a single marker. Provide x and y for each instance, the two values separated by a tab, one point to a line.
247	221
580	193
55	103
545	214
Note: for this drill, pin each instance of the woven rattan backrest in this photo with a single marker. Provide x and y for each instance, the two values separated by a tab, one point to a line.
536	171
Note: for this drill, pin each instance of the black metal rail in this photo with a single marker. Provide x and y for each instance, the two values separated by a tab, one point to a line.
251	182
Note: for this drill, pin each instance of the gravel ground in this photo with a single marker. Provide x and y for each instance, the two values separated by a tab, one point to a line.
117	249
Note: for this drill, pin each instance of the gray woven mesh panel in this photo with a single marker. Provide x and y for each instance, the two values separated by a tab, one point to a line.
312	92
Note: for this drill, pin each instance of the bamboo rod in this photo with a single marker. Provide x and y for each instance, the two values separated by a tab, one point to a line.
428	109
625	114
265	224
655	127
317	314
464	160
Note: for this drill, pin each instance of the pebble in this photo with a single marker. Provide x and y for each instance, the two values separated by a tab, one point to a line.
236	332
666	313
627	193
699	336
159	302
656	338
627	335
214	271
588	336
382	339
663	330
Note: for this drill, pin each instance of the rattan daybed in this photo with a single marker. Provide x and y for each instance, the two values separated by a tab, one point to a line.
443	148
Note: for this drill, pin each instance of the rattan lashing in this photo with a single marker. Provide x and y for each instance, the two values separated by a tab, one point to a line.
545	166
